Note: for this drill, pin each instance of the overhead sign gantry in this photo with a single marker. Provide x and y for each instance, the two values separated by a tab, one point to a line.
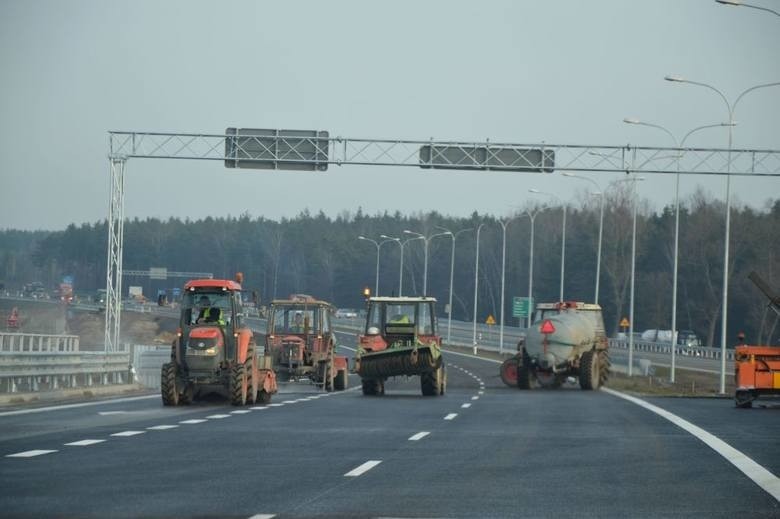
312	150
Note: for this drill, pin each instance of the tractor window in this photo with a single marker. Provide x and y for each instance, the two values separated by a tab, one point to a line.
195	304
400	314
374	317
294	320
425	320
325	313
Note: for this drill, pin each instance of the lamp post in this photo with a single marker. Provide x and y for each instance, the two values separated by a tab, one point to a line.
378	246
600	194
563	237
504	224
531	216
731	108
476	288
633	179
738	3
678	145
401	244
427	240
454	236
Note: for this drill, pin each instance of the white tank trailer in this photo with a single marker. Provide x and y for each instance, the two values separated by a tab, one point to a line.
566	339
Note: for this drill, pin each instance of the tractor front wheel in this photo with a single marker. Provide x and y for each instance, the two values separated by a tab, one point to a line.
342	380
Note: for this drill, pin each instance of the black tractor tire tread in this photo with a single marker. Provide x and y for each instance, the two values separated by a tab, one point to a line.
342	380
237	394
168	389
586	370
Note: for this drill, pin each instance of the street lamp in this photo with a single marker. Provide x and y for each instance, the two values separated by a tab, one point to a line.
452	272
633	179
531	216
600	194
563	237
731	108
476	289
503	224
401	244
378	246
427	240
678	145
738	3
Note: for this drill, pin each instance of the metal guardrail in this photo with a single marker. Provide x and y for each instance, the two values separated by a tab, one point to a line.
665	347
29	342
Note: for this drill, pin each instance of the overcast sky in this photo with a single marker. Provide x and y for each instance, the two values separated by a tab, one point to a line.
558	71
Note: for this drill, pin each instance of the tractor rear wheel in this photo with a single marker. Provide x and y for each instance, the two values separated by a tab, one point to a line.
433	383
239	385
508	372
168	389
604	365
253	382
342	380
589	370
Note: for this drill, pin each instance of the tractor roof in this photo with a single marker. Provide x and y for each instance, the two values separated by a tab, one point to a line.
401	300
299	300
224	284
567	304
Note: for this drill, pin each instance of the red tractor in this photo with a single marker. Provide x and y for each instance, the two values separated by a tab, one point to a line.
215	351
302	342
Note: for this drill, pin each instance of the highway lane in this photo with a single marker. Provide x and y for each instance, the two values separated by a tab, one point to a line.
507	454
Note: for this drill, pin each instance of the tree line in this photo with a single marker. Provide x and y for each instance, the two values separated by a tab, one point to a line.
322	256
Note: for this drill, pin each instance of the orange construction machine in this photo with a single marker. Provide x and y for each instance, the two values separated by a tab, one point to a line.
757	368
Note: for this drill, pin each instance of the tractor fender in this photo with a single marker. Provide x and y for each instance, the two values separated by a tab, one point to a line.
268	381
243	340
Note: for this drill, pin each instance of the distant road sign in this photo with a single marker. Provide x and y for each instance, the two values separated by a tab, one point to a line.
522	306
301	150
624	323
490	320
158	273
499	158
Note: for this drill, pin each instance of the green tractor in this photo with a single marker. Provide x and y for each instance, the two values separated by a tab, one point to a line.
400	338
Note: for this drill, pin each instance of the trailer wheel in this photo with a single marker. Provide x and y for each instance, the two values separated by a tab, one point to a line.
508	371
604	365
589	370
168	389
433	383
238	385
342	380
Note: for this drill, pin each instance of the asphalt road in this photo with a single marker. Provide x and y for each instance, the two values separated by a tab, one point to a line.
481	450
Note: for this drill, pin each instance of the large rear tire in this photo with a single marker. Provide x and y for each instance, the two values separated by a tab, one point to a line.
254	382
589	370
342	380
239	385
168	386
508	371
373	387
433	383
604	367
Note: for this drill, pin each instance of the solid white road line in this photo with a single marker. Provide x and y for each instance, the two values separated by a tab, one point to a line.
466	406
128	433
193	421
161	427
365	467
29	454
419	436
71	406
760	476
84	443
450	416
109	413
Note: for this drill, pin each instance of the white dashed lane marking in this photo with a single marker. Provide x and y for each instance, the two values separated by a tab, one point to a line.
450	416
419	436
475	398
30	454
193	421
84	443
240	411
466	406
218	416
365	467
161	427
128	433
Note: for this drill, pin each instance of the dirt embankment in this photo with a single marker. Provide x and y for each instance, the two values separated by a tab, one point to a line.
52	318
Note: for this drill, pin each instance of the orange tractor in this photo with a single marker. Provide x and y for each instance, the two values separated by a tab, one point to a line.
302	342
757	368
215	351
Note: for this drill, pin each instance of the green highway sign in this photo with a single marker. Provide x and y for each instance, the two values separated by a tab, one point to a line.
522	306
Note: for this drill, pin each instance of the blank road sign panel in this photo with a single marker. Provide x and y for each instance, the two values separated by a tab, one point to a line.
499	158
299	150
